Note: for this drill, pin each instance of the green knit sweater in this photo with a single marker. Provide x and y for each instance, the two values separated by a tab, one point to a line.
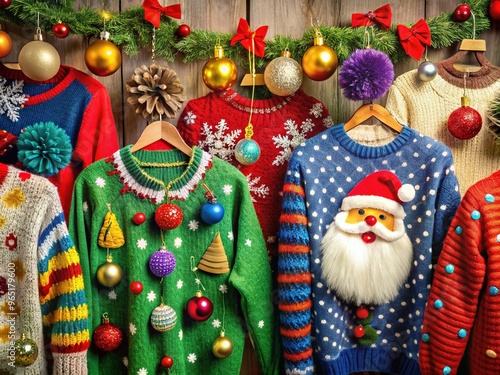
135	182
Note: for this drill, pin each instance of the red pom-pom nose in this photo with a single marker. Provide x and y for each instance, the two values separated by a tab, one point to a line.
371	220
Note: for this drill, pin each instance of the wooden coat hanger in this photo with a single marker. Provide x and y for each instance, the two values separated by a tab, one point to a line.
161	130
369	110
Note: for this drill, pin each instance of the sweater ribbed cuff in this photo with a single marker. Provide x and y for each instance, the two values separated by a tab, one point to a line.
70	363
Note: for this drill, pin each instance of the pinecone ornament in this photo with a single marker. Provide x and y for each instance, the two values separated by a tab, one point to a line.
155	91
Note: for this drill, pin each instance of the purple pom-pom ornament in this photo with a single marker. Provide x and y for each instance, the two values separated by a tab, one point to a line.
366	75
162	262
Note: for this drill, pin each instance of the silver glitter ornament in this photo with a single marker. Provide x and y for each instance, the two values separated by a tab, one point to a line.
283	75
427	71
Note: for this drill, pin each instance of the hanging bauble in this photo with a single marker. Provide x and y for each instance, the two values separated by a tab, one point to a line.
5	44
163	318
168	216
162	262
167	362
183	30
136	287
102	57
219	73
4	3
139	218
107	336
464	122
462	13
212	211
320	61
427	71
26	351
222	346
283	75
494	10
60	30
199	308
39	60
109	274
247	151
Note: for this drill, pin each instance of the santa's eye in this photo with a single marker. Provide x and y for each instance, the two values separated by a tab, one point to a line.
382	217
361	211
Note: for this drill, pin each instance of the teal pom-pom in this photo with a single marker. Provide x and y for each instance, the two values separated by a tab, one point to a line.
44	148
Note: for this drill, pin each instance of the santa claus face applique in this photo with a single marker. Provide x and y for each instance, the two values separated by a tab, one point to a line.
366	253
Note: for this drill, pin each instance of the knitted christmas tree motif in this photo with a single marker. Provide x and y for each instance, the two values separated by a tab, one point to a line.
365	333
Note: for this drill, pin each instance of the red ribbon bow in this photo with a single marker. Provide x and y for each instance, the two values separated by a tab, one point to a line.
381	16
245	36
413	40
153	11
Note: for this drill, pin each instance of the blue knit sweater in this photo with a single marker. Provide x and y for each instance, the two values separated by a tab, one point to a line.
316	325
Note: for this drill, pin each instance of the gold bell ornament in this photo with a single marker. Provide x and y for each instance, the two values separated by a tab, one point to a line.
102	57
26	351
320	61
219	73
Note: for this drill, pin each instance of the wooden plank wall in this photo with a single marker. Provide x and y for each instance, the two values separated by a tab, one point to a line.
284	17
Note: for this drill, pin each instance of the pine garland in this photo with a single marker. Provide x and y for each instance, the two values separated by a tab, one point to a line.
133	33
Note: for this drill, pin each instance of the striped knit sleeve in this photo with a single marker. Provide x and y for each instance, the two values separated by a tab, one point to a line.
294	278
62	296
458	279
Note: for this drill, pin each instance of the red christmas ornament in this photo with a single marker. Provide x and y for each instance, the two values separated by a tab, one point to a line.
60	30
495	10
107	337
362	312
4	3
168	216
136	287
464	122
359	331
139	218
167	362
462	13
183	30
199	308
368	237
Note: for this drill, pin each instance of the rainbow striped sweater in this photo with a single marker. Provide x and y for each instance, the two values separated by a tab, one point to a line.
41	283
317	326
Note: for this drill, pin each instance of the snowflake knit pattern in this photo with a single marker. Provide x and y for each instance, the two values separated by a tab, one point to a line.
73	101
426	106
316	325
216	123
135	182
41	283
461	316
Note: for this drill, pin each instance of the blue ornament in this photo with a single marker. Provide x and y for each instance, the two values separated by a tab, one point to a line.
247	151
44	149
212	211
162	262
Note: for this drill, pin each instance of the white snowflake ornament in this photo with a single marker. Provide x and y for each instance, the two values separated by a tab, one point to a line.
12	98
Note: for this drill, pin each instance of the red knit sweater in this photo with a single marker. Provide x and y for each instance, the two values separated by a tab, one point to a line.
216	123
464	304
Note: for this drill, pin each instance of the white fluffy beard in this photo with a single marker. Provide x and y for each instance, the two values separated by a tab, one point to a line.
364	273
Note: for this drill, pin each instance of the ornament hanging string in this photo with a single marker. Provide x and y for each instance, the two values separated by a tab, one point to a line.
193	270
251	61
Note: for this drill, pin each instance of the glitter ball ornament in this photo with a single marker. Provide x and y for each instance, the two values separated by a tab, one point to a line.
109	274
222	346
39	60
107	336
283	76
25	351
427	71
320	61
247	151
168	216
219	73
163	318
465	122
162	262
60	30
102	57
199	308
5	44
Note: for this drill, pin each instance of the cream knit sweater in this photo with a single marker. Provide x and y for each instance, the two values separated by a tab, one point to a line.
426	106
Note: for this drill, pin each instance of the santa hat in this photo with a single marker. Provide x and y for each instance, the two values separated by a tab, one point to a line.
381	190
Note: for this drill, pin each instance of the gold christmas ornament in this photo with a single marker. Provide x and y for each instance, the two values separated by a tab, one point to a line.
102	57
155	91
283	75
39	60
26	352
214	260
219	73
5	44
109	274
222	346
320	61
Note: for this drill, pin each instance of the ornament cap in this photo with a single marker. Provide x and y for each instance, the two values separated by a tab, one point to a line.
319	41
104	35
286	53
218	51
465	101
38	35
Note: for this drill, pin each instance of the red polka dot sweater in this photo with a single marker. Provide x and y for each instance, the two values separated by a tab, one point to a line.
217	121
463	310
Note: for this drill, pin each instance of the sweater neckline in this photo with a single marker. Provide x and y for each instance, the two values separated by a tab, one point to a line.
365	151
183	178
60	82
261	106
